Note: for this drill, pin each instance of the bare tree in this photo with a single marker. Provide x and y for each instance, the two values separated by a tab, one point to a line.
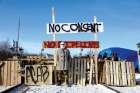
5	51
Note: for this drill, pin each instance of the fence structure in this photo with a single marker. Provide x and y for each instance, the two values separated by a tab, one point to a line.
116	73
9	73
79	71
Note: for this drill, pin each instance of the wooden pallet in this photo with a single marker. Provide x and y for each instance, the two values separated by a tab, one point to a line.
116	73
9	73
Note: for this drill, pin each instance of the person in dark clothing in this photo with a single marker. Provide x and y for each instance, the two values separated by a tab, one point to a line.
105	56
62	65
115	57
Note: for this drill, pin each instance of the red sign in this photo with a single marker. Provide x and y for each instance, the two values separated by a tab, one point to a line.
71	44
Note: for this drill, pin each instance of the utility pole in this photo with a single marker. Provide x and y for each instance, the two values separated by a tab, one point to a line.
18	35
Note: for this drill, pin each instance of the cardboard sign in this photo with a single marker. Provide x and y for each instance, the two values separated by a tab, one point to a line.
71	44
60	28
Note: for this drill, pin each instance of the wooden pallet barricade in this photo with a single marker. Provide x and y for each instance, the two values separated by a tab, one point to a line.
116	73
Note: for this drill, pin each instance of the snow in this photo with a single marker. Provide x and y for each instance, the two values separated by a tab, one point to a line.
137	78
74	89
81	89
2	88
135	89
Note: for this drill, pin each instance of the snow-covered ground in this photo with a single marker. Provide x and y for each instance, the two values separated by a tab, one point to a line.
137	78
74	89
135	89
81	89
2	88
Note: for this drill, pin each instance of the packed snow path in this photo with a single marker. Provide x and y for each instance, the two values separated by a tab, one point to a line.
74	89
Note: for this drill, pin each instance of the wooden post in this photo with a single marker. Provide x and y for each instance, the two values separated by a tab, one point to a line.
55	50
96	52
95	56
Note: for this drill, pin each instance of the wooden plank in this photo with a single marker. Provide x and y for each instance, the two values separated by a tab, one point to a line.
114	72
91	70
75	70
5	73
128	73
107	74
130	67
123	73
132	74
104	73
15	71
19	74
69	72
84	71
1	73
120	73
9	73
117	73
49	79
133	69
72	70
93	73
111	73
122	84
12	72
96	67
78	71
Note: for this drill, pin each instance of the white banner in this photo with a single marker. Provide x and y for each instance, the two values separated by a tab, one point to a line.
59	28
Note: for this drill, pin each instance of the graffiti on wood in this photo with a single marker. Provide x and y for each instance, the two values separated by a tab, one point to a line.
38	74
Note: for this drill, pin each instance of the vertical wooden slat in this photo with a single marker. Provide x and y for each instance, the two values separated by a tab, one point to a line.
75	70
78	70
72	70
82	71
94	72
132	77
69	72
2	73
12	73
108	69
104	73
111	73
114	70
8	73
49	80
91	70
120	73
117	73
5	73
133	69
107	74
123	73
128	73
19	74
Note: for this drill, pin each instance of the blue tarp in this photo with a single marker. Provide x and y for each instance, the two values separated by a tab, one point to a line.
123	54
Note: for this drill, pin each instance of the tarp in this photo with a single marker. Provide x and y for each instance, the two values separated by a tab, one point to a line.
123	54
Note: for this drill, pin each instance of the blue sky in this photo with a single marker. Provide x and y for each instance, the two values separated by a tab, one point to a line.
121	21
